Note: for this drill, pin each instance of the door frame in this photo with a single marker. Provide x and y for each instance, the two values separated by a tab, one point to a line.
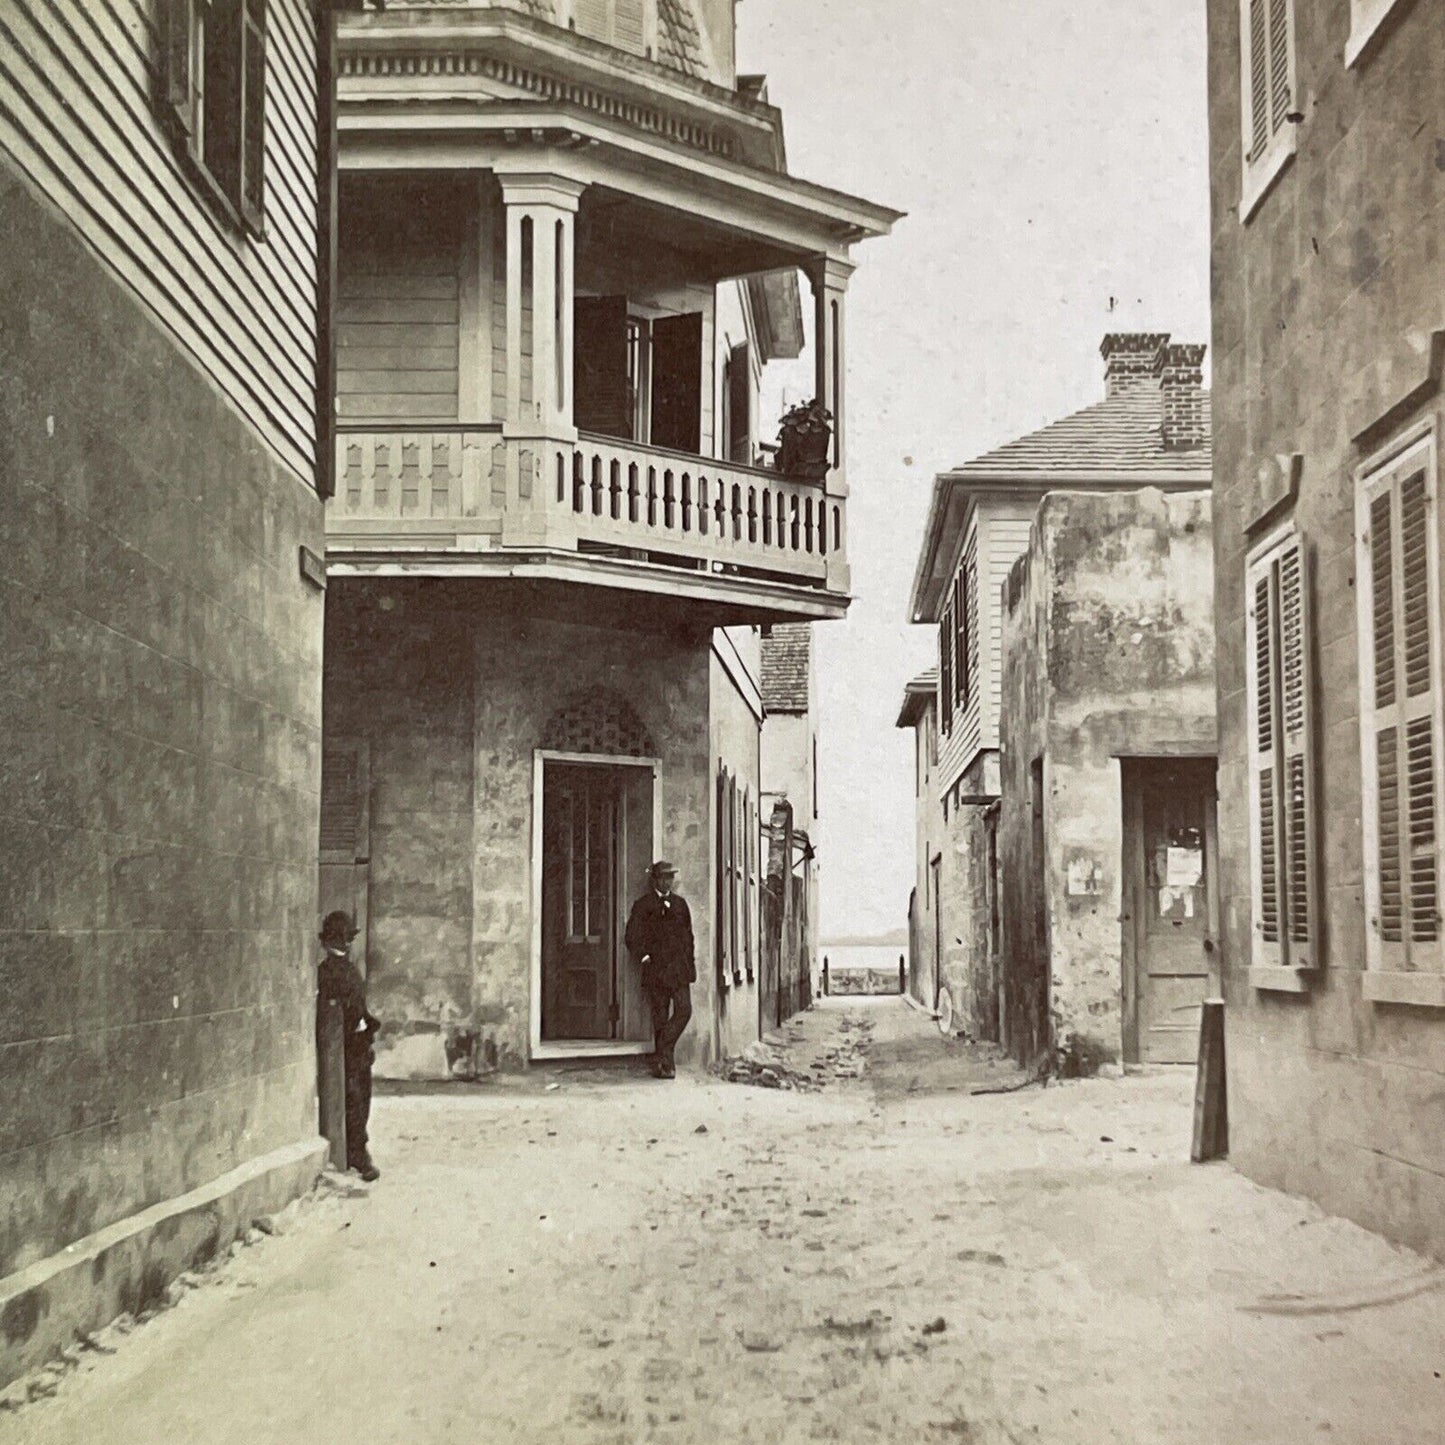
581	1048
1131	916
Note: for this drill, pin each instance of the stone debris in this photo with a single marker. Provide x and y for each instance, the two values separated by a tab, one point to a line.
779	1061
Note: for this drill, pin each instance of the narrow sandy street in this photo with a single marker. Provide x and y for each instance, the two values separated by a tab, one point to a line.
605	1258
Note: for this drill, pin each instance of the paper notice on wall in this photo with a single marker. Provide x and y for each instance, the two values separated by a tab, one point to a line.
1183	867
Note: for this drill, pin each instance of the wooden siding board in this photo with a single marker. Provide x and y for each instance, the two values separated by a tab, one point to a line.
134	99
75	114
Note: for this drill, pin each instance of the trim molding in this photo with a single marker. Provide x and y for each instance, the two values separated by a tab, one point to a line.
1420	990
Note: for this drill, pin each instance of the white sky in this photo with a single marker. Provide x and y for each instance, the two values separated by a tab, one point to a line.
1052	157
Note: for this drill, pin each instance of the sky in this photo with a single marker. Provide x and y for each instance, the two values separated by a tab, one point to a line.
1052	158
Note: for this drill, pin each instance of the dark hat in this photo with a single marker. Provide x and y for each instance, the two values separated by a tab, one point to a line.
338	928
661	868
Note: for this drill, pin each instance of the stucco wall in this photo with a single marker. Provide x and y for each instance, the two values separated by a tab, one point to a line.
454	685
1109	651
728	1022
1324	303
967	966
161	760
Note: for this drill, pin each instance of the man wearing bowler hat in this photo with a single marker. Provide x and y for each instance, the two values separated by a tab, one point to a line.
659	938
338	980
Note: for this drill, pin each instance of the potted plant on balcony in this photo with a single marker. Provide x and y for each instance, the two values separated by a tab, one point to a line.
805	439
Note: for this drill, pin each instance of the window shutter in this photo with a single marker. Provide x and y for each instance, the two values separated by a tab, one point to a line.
740	392
179	71
1281	67
629	23
970	631
677	382
600	393
253	111
1259	129
945	666
721	884
1297	770
590	18
1400	715
345	801
1261	669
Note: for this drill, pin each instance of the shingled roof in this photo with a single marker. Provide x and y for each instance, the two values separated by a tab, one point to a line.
679	40
1121	435
787	655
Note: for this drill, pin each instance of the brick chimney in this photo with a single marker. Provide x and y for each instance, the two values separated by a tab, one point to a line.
1181	389
1130	357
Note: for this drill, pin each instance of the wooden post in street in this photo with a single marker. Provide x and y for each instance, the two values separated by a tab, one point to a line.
902	975
825	975
1211	1105
331	1079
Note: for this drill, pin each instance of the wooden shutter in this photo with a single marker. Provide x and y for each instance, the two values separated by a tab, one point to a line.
345	801
1269	71
720	885
592	18
946	643
740	393
1265	824
180	65
599	371
1279	693
969	662
677	382
629	25
1297	768
252	120
1401	714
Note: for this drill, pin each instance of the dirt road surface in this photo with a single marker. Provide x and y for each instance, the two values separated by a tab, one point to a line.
608	1259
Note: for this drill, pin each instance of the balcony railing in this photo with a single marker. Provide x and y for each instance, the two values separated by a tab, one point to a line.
470	490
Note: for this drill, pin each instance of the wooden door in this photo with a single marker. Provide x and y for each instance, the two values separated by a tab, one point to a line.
1168	831
580	813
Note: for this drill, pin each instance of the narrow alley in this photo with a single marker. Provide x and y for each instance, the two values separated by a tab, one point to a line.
910	1248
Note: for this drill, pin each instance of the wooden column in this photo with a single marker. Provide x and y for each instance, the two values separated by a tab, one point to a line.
828	276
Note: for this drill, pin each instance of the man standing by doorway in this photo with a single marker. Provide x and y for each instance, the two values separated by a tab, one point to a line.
659	938
339	981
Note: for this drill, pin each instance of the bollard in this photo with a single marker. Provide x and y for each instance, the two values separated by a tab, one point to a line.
331	1078
902	975
825	975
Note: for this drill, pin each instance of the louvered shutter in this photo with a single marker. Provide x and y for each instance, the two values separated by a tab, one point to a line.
1265	820
724	977
629	25
591	18
1400	714
970	663
1269	72
1297	771
345	801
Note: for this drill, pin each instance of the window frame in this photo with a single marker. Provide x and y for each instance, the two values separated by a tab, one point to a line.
189	30
1392	976
1260	172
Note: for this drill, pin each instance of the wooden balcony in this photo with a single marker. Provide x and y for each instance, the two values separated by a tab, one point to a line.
472	501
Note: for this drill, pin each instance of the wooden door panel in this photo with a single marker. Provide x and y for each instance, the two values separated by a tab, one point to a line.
1168	822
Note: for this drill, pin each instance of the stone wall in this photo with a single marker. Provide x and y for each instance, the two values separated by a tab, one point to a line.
1109	649
161	762
1325	302
967	968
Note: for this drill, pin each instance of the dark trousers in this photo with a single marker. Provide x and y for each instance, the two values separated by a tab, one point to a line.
671	1011
358	1104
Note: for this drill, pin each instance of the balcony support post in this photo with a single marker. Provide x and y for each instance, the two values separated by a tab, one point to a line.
541	213
828	276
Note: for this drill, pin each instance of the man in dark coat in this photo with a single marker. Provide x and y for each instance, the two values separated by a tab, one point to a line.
339	980
659	938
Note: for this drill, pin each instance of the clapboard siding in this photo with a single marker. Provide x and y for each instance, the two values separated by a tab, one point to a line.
995	536
76	81
398	298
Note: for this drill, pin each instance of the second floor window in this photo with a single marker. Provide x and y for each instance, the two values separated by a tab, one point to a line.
214	79
625	24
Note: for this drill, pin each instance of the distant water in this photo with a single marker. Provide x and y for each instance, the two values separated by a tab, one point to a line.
863	956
